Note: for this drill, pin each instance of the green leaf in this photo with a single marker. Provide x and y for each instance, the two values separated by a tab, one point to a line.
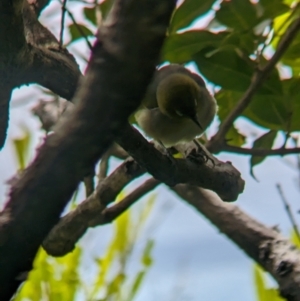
295	239
22	148
263	142
188	11
90	14
238	14
273	8
225	68
278	111
180	48
234	137
259	283
136	285
147	258
78	31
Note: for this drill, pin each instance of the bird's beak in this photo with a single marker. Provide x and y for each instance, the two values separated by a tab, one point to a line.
196	121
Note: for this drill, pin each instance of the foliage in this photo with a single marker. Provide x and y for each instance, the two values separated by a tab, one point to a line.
61	279
238	39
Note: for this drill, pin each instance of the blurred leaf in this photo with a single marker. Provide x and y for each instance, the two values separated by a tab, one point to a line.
136	285
188	11
259	283
179	48
280	24
295	239
146	210
90	14
147	258
22	148
273	8
263	293
105	7
238	14
263	142
77	34
234	137
114	286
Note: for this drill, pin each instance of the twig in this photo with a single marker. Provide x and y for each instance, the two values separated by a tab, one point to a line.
259	76
78	27
260	151
62	24
111	213
89	185
288	210
80	30
72	226
103	166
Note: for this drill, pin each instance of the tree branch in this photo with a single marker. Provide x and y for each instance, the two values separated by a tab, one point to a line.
122	64
65	234
273	252
111	213
215	144
220	177
260	152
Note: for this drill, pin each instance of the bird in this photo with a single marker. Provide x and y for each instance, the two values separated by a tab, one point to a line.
177	107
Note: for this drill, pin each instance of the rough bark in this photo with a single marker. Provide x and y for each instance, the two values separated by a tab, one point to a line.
122	64
269	248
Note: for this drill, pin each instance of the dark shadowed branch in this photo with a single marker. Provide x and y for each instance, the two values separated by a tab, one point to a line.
220	177
122	64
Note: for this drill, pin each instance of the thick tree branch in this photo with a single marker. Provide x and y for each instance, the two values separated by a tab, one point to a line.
122	64
5	95
220	177
264	245
260	152
215	144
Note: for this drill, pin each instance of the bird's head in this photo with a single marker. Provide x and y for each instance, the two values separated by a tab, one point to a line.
178	97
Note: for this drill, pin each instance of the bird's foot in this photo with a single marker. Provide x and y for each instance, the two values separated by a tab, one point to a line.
168	152
200	154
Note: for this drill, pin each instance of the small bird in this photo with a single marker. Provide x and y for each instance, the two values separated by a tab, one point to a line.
177	106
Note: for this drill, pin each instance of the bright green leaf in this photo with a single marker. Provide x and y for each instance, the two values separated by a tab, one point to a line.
259	283
188	11
22	148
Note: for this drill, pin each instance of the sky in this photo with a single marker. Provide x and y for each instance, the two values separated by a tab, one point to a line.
192	260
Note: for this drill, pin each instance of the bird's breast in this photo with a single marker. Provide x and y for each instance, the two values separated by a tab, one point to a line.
162	128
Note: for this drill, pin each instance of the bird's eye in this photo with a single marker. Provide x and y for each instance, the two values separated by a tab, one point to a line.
179	113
